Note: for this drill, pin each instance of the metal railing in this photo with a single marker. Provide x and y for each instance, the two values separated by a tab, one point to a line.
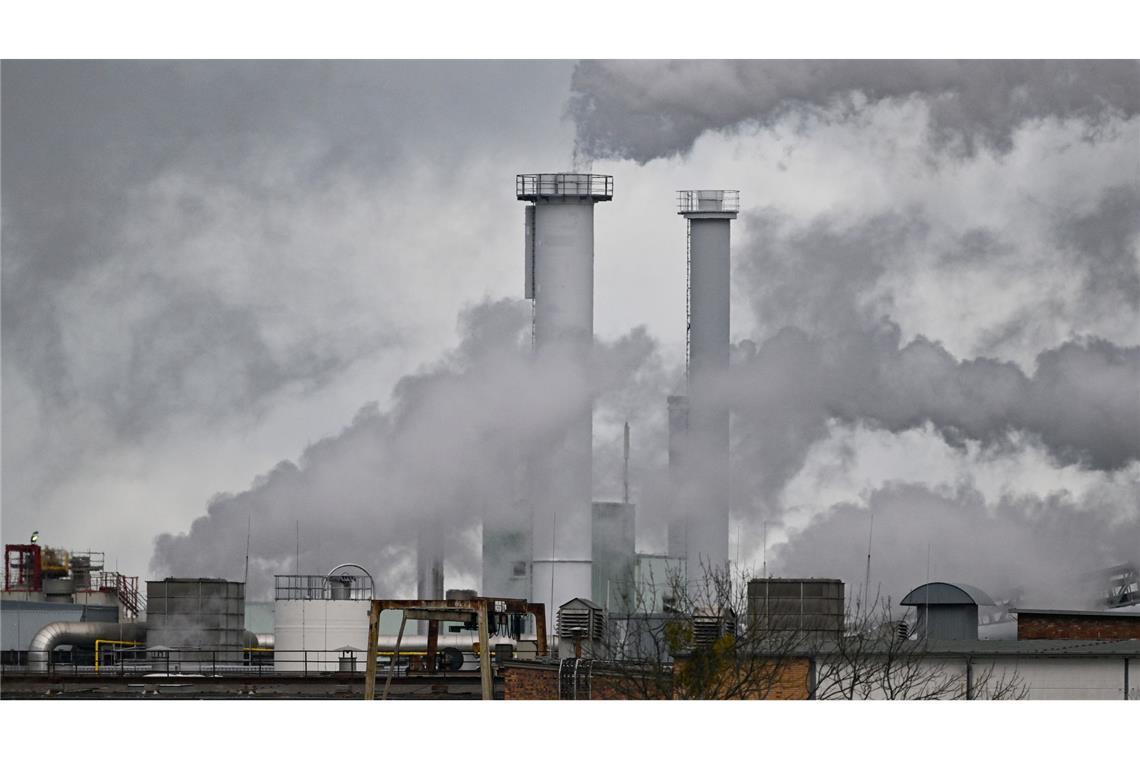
534	186
125	659
305	587
712	201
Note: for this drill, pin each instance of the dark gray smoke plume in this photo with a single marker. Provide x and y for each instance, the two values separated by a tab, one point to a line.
1081	402
651	109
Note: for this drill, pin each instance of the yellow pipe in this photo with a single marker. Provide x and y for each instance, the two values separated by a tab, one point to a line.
99	642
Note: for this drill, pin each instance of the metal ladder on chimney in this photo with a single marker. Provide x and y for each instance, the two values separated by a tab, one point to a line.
688	294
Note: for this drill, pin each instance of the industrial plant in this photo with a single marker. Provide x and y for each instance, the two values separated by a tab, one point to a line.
568	608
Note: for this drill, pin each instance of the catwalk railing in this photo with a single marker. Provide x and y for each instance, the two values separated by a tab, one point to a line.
137	661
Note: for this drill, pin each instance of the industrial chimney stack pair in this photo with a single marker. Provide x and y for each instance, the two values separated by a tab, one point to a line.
559	266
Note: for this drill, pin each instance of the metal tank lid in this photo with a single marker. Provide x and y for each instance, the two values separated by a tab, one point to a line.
946	593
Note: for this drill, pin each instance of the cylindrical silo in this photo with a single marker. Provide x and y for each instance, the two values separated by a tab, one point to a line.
560	268
709	214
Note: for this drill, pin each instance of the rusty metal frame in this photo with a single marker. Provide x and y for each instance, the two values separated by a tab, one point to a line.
435	610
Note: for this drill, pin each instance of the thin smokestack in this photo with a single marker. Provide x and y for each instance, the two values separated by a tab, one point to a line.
429	560
709	214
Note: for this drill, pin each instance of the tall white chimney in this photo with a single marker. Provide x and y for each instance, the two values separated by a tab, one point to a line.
560	279
709	214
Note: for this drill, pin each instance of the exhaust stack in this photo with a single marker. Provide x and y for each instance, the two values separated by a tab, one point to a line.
709	214
559	266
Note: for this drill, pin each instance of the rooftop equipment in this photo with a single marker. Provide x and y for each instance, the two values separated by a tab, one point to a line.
709	214
811	606
708	628
203	618
486	614
581	629
947	611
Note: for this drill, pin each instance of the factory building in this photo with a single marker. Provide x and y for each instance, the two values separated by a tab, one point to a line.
45	585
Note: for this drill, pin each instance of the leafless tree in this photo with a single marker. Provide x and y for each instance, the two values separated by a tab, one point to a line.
875	658
680	640
683	640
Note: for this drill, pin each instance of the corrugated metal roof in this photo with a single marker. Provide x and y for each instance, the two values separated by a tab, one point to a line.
946	593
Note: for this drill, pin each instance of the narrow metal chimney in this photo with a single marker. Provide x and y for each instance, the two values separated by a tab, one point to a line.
709	214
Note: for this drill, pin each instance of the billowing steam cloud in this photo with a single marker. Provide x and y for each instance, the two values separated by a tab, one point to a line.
450	448
453	442
1081	401
652	109
829	347
1028	547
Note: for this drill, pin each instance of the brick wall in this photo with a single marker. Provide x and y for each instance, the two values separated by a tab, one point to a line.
787	678
529	682
540	681
793	681
1085	628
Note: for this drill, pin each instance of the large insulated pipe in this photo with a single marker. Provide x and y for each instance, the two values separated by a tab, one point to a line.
709	214
560	268
55	635
251	640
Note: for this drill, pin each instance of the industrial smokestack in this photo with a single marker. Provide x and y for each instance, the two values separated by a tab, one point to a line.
560	279
429	560
709	214
678	426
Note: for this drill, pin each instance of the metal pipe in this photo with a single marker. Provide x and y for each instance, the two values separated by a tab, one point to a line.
100	642
261	641
59	634
395	658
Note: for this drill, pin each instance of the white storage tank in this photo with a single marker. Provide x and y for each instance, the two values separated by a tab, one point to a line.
318	618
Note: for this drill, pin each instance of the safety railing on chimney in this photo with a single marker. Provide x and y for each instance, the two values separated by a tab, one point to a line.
711	201
535	186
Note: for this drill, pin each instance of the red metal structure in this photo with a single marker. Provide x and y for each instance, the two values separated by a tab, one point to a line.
23	567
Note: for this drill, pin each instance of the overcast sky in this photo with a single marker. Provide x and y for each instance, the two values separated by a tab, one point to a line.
211	270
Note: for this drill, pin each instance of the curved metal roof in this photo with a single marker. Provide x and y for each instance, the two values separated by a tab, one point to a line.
946	593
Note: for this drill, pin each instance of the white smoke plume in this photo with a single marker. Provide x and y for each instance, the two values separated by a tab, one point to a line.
1030	548
448	448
